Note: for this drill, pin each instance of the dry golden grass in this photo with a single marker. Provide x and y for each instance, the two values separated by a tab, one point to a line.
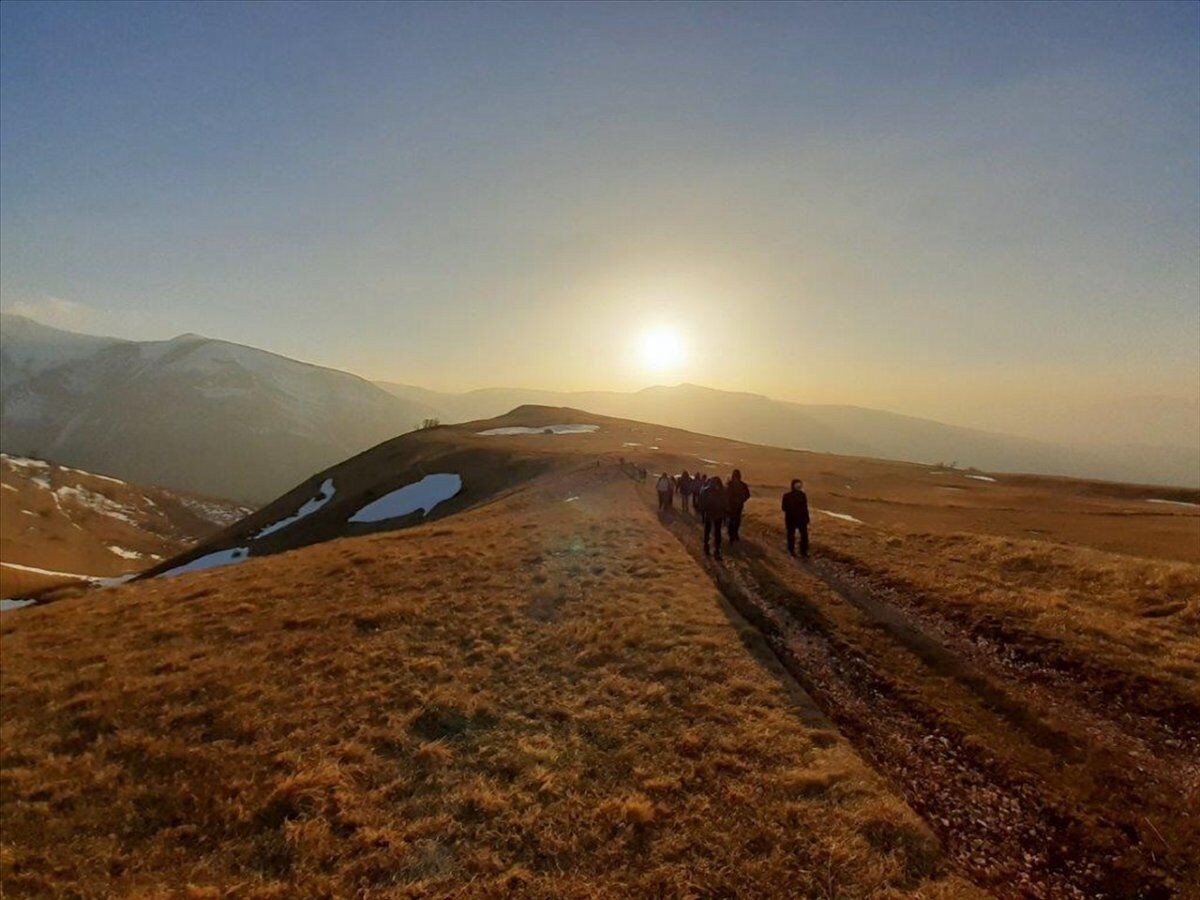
536	697
1133	617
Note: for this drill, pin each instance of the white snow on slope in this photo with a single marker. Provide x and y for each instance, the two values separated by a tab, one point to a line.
213	560
213	512
1173	502
423	495
96	502
845	517
324	495
22	462
98	580
9	487
6	604
981	477
123	553
93	475
713	462
544	429
38	571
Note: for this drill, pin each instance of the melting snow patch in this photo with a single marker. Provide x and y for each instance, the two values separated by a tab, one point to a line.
713	462
6	605
544	429
41	482
631	444
571	499
94	475
324	495
845	517
1172	502
212	560
123	553
423	495
94	501
982	477
38	571
22	462
9	487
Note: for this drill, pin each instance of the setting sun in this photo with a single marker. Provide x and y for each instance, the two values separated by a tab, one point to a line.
661	349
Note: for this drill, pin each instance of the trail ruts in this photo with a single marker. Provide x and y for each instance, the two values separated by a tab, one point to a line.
1024	806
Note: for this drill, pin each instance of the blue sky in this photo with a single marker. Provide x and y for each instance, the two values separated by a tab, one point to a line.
947	209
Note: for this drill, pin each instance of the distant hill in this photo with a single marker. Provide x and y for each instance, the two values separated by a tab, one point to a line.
61	524
850	430
190	413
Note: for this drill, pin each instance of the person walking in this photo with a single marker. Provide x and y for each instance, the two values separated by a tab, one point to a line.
736	495
795	517
713	508
685	490
666	490
698	485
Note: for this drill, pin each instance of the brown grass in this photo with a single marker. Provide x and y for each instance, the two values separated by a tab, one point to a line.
533	697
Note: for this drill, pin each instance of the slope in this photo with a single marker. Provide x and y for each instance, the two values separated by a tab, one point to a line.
841	429
539	696
62	524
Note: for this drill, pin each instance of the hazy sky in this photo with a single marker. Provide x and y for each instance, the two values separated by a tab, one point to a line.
976	212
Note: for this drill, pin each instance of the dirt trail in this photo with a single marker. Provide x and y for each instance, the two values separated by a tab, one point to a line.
1033	795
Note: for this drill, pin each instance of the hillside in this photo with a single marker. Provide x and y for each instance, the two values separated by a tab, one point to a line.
59	524
473	660
1124	454
191	413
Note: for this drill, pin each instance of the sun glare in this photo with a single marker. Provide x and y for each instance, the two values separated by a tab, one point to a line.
661	349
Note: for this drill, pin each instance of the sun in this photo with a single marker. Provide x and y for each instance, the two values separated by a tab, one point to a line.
661	349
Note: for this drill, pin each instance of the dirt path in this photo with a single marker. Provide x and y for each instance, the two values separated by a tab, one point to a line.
1031	793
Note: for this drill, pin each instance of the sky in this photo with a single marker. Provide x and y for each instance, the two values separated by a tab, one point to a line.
987	214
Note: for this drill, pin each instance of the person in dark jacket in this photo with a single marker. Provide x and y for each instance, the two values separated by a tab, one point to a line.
685	490
736	495
795	517
713	507
698	485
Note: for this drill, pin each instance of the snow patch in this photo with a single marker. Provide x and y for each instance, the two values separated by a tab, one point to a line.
423	495
213	560
41	482
93	475
571	499
982	477
24	462
845	517
123	553
96	502
6	605
544	429
631	444
36	571
1173	502
324	495
713	462
9	487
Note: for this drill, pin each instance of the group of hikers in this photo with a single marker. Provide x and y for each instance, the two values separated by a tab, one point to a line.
720	506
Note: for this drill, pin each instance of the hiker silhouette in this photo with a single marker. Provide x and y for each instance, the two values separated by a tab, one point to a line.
795	517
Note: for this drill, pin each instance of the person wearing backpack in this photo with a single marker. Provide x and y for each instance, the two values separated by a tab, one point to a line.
795	517
713	508
736	495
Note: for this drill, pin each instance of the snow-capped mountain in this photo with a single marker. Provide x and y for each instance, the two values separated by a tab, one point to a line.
190	413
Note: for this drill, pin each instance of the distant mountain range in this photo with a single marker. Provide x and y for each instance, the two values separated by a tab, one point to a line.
190	413
224	419
851	430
